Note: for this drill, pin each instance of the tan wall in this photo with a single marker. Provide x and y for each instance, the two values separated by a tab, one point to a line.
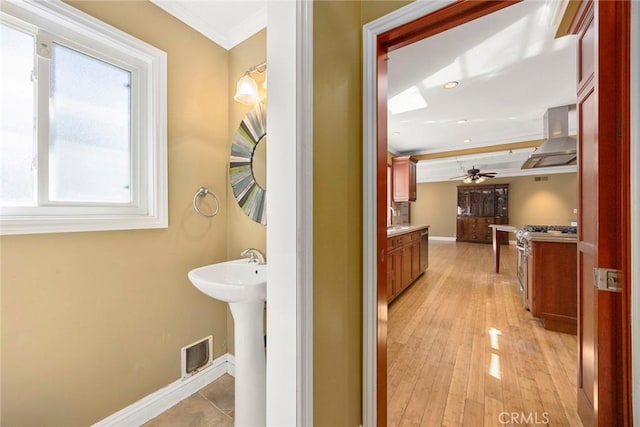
242	232
530	202
92	322
337	215
435	205
337	211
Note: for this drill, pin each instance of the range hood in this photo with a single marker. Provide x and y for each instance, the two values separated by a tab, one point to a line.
558	149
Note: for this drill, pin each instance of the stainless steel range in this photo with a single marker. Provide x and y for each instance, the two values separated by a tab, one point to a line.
523	250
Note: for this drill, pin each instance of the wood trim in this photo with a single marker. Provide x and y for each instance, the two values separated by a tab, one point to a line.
612	49
381	231
567	18
448	17
623	26
487	149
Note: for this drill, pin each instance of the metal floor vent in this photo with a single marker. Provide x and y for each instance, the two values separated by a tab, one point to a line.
196	356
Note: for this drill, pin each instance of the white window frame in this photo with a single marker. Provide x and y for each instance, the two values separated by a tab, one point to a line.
148	66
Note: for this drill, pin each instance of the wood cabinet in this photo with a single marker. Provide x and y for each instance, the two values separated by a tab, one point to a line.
403	262
404	179
552	284
478	207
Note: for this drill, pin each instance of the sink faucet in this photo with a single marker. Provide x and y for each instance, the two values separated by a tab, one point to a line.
393	213
254	256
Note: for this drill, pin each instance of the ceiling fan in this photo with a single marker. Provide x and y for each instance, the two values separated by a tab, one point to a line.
474	176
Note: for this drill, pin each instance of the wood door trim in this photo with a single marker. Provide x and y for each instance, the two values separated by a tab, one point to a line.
623	27
443	19
381	232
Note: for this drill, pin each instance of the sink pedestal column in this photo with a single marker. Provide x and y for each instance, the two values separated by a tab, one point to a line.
250	378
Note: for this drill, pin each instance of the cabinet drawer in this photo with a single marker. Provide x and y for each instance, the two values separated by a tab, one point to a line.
396	242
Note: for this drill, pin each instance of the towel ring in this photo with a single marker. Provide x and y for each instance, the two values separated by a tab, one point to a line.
202	192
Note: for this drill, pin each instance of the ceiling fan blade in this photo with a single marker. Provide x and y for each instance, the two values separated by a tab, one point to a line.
458	177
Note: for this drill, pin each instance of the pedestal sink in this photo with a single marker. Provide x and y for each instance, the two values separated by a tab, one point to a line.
243	285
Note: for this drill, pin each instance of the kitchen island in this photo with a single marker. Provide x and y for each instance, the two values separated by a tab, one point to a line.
407	256
551	279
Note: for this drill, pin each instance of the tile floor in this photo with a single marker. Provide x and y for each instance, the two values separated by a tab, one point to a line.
210	406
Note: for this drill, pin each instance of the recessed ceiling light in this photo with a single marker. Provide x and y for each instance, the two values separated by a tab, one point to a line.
429	121
451	84
462	121
467	140
396	133
405	121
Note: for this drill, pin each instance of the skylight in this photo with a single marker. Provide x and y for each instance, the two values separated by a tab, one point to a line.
409	100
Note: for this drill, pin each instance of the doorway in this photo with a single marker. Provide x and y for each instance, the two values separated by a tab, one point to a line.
375	310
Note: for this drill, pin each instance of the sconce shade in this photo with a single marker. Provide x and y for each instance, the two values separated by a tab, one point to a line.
247	91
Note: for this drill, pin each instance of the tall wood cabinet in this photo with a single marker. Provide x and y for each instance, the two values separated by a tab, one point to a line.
478	207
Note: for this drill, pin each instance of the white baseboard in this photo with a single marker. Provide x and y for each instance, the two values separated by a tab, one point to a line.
442	238
159	401
453	239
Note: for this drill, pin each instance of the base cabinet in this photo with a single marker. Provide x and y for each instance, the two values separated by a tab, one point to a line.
476	229
552	284
403	262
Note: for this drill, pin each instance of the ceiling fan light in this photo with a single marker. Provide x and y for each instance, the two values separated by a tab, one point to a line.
467	180
481	179
247	91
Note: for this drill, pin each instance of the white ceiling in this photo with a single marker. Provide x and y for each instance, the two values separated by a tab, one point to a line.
225	22
509	67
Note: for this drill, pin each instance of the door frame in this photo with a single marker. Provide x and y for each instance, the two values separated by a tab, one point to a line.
374	310
289	367
635	209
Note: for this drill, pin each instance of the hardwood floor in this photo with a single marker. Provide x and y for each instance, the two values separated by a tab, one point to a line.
462	350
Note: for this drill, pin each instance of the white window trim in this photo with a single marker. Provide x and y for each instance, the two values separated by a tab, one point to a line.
150	203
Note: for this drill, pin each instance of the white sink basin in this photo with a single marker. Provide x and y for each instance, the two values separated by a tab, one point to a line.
232	281
243	285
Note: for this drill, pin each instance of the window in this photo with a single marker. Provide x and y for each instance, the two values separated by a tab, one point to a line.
82	123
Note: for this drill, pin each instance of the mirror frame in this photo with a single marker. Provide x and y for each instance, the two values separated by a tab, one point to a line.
251	196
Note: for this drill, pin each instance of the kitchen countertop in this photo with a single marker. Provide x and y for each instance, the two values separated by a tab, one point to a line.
550	237
397	230
504	227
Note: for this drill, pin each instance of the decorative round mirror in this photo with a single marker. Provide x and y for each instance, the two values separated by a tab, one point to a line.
247	165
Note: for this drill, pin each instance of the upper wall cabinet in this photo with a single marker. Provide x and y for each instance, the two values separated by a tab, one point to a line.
404	179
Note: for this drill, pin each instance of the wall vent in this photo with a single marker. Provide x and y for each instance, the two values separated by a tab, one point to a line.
196	356
541	178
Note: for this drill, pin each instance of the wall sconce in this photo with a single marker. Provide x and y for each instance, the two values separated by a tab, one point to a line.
247	88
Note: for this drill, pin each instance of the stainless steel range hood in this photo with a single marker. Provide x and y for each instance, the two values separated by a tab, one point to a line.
558	149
